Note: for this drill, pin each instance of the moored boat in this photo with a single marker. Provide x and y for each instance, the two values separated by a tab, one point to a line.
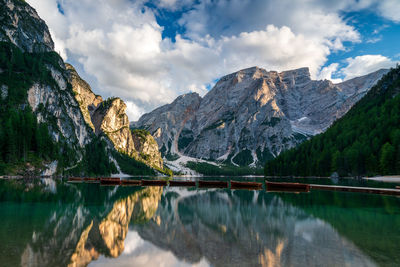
245	185
287	187
110	181
213	184
154	182
91	179
182	183
131	182
75	179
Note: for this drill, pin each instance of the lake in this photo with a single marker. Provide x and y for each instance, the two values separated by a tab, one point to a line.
47	222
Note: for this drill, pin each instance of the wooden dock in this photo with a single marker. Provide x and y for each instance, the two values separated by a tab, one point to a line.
370	190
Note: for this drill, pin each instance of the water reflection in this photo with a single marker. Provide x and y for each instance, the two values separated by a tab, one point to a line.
60	224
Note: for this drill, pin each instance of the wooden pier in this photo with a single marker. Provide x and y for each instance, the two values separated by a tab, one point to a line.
370	190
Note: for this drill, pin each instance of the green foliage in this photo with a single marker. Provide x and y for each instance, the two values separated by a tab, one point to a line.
98	162
131	166
185	138
209	169
171	157
243	158
23	141
366	141
141	133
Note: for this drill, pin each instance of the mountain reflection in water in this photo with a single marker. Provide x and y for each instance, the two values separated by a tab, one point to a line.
61	224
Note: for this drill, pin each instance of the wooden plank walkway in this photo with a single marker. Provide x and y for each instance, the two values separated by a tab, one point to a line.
370	190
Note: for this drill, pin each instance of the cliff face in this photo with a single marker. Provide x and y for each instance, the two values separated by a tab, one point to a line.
166	123
86	99
58	96
21	25
45	80
147	147
109	117
253	114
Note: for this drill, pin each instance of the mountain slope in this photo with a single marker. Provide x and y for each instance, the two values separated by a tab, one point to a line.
46	109
108	118
364	141
252	115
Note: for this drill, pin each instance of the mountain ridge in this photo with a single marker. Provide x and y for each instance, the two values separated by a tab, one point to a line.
252	114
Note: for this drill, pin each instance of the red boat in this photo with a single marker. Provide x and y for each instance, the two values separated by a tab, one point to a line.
131	182
91	180
213	184
287	187
110	181
182	183
245	185
75	179
154	182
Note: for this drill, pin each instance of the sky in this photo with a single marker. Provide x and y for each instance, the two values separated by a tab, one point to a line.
148	52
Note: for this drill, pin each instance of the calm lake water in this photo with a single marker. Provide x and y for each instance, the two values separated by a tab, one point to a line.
53	223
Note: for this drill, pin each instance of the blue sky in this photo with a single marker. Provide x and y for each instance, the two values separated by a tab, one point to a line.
150	51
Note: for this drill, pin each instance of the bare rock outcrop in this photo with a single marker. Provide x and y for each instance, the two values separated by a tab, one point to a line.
21	25
253	115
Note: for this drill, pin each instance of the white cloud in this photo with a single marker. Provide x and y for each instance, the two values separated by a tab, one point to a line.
327	72
365	64
133	111
119	43
390	9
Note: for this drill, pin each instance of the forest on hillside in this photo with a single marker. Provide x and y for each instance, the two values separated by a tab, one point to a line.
366	141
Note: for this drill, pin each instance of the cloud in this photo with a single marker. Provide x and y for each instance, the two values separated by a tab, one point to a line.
390	9
374	40
362	65
327	72
120	45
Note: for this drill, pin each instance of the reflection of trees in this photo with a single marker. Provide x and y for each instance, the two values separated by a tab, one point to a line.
77	233
241	228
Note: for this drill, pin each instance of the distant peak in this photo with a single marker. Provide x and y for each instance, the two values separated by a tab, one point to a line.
300	71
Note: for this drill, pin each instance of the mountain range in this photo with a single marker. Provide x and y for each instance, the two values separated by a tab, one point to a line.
53	123
252	115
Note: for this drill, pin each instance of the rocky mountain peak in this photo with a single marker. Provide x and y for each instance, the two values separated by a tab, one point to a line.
21	25
253	114
87	100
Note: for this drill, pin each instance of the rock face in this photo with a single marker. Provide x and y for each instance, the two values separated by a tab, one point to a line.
147	147
74	114
167	122
57	103
87	100
109	117
253	114
21	25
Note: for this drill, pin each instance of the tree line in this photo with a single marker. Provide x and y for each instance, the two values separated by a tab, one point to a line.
366	141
